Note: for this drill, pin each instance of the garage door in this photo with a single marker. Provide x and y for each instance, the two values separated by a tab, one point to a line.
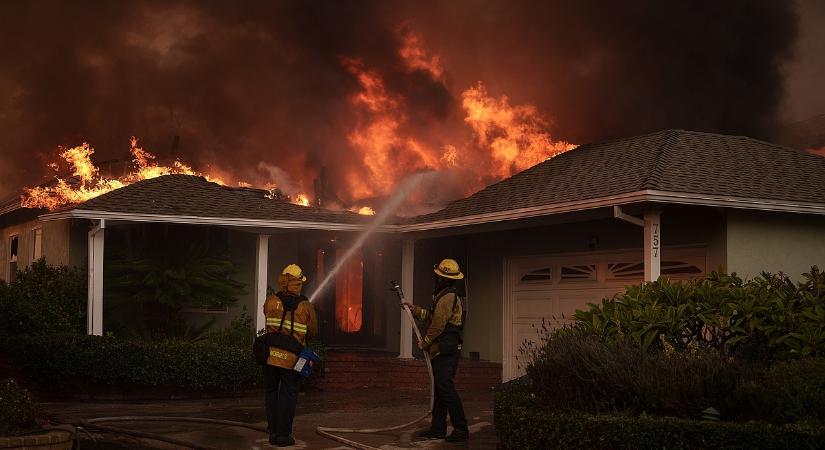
549	289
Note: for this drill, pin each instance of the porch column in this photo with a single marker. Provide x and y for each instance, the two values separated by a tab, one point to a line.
94	310
261	279
407	273
653	245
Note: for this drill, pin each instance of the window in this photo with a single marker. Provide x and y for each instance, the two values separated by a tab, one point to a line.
12	258
632	271
544	274
624	271
37	243
585	272
349	293
679	268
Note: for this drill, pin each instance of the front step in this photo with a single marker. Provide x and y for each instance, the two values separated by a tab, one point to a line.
354	370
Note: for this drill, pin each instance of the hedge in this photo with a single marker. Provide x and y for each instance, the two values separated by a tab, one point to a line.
17	411
56	361
521	423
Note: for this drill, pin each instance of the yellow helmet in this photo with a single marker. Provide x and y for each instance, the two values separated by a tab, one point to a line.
294	270
448	268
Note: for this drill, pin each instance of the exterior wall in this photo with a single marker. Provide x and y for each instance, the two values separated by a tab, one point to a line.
55	244
283	250
481	257
773	242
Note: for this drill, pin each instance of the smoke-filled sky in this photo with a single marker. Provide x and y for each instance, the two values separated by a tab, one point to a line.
271	91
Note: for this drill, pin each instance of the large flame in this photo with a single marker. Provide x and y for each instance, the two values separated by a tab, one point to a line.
506	138
87	183
490	138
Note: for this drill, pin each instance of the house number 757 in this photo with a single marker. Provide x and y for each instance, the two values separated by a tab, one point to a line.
655	240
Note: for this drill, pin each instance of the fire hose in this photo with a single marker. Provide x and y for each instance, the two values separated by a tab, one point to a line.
327	432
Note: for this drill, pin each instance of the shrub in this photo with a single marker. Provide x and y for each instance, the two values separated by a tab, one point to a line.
571	370
766	318
56	361
522	422
17	411
787	392
44	299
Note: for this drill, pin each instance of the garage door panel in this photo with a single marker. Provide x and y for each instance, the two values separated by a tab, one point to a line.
534	308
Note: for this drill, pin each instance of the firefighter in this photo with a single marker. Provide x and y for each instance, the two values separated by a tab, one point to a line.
290	318
443	343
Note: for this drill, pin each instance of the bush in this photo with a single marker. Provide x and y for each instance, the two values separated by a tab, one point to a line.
787	392
766	318
522	422
17	411
56	361
571	370
44	299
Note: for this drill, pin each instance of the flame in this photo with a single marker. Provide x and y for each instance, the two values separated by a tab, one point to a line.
515	135
302	199
88	183
506	138
364	210
817	151
415	57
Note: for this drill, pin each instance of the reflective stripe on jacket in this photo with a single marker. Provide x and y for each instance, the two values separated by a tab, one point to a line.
301	324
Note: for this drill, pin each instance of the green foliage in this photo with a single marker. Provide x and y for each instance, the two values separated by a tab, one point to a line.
522	422
57	361
787	392
766	318
157	283
44	299
240	333
195	278
571	370
17	411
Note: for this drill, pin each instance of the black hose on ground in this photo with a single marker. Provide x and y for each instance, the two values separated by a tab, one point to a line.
95	425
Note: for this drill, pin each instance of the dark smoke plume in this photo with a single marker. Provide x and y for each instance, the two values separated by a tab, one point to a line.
251	86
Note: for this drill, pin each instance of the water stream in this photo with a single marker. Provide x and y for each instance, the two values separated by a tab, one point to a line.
387	211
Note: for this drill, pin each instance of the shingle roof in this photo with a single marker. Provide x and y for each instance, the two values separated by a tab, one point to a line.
188	195
671	160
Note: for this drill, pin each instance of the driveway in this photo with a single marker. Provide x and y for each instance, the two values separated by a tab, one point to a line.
359	408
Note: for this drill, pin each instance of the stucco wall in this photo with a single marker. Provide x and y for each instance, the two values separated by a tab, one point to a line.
790	243
56	243
481	257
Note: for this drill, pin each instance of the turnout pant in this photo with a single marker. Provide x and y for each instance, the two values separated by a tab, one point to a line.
281	398
446	398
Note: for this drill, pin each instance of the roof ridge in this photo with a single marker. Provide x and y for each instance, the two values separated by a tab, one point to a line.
652	179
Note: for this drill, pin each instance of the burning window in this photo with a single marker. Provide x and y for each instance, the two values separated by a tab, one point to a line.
37	243
349	293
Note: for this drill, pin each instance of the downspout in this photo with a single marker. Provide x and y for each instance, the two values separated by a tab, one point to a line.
621	215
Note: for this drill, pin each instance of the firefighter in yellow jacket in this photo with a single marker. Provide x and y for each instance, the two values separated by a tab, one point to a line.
291	319
443	343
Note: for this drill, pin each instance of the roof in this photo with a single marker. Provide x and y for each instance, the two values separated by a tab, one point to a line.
671	161
199	200
672	166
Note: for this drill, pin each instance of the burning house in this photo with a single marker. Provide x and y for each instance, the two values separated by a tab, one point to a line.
535	246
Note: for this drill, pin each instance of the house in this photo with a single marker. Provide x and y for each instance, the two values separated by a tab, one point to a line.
538	245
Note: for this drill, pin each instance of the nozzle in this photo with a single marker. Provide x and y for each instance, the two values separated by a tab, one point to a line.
395	287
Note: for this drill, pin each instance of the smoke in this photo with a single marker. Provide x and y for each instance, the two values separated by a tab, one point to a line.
242	87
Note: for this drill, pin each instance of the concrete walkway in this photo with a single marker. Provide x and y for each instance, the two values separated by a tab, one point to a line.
351	408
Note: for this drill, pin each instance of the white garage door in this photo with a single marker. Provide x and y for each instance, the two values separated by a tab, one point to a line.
552	288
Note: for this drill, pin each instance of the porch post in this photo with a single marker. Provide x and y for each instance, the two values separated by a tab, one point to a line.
261	279
407	273
94	310
653	245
